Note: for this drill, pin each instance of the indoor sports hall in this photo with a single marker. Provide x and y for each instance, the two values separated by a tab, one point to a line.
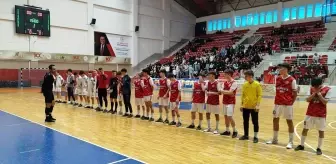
59	60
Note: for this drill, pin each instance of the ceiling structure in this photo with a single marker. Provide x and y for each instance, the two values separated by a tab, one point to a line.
201	8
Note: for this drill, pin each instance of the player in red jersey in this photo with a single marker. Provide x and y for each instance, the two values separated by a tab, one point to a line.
213	89
139	96
175	99
286	93
147	84
163	95
229	101
319	96
198	100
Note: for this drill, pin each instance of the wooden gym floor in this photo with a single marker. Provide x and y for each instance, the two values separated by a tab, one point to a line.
158	143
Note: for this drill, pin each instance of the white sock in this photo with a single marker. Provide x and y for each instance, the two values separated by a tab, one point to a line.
227	129
256	134
174	118
217	123
160	114
303	139
152	115
200	123
275	135
179	119
147	114
291	136
138	112
167	113
208	124
234	129
193	121
320	142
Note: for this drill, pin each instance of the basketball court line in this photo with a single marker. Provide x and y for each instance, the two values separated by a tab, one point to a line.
122	160
126	156
298	136
330	125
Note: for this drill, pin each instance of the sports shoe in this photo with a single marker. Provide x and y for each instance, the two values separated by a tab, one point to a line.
120	113
289	145
147	118
178	124
199	127
125	115
137	116
215	132
48	119
234	134
273	141
143	118
318	151
151	119
130	115
64	102
226	133
191	126
159	120
166	121
244	137
207	130
105	111
255	140
80	105
300	147
87	107
172	123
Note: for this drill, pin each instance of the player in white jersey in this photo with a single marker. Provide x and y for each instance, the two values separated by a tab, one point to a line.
76	87
57	88
83	88
91	91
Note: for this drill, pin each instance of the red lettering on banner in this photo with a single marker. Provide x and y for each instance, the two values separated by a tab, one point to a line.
108	59
76	57
37	55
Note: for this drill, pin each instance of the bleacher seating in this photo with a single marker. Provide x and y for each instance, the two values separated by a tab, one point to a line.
311	32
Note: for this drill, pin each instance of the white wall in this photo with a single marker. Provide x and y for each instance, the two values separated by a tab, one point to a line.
162	23
278	6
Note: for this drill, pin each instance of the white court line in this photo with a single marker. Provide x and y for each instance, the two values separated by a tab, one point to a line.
331	125
17	124
298	136
73	136
120	161
29	151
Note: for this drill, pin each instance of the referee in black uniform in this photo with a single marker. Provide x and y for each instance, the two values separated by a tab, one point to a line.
47	90
126	91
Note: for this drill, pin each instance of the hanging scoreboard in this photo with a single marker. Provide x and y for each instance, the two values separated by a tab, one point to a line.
32	21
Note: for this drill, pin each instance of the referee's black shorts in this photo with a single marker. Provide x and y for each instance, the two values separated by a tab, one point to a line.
48	97
114	94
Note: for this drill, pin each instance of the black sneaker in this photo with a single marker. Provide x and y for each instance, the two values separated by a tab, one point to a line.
244	137
97	109
172	123
51	117
125	115
143	118
137	116
87	107
159	120
318	151
255	140
64	102
130	115
48	119
75	104
199	127
151	119
166	121
300	147
178	124
146	118
234	134
92	107
105	111
191	126
114	112
226	133
80	105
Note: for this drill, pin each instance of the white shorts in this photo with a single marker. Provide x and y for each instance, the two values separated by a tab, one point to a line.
319	123
163	101
174	105
197	107
76	91
286	110
148	98
228	109
57	89
83	92
139	101
214	109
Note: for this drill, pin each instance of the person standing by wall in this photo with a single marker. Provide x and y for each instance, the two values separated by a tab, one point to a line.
47	90
102	89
